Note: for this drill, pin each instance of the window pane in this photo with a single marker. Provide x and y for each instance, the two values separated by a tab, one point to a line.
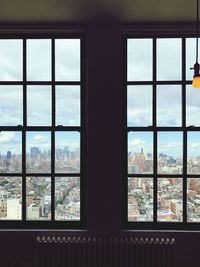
38	152
140	59
193	200
67	152
67	61
11	60
68	105
169	62
10	198
10	152
140	152
193	153
192	106
38	198
169	105
190	56
67	198
11	105
38	60
170	152
140	199
39	105
139	105
170	200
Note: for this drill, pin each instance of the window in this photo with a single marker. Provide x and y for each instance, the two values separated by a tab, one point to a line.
41	131
162	133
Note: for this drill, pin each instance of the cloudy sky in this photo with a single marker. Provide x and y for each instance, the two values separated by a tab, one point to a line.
12	141
170	143
193	144
169	97
138	140
67	56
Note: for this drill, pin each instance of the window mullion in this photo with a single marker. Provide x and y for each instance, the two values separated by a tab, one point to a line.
185	131
24	131
53	131
154	131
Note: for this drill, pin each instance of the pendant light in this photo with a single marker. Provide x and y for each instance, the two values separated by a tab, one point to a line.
196	68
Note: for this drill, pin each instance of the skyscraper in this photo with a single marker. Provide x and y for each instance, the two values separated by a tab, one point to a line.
9	155
34	152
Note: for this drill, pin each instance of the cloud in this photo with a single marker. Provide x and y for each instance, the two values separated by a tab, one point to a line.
68	105
39	60
11	96
67	59
11	60
170	145
40	138
194	145
8	138
137	142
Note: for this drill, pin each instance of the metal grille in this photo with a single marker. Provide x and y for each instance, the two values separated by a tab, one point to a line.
104	252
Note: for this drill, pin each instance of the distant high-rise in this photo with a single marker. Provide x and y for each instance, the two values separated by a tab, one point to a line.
9	155
34	152
66	150
142	152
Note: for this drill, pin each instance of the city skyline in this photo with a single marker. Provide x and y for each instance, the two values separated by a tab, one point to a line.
11	141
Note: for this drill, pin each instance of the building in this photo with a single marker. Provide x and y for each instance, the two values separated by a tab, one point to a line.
34	152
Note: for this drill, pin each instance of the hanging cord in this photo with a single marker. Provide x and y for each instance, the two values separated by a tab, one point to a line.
197	41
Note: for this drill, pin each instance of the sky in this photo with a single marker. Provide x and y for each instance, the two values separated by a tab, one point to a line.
68	97
170	143
169	97
193	144
12	141
67	56
138	140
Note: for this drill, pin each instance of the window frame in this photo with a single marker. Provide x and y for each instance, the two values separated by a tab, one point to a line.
51	224
154	35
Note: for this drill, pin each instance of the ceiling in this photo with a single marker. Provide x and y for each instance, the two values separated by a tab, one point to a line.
83	10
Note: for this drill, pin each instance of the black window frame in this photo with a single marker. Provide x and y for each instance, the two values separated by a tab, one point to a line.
154	35
51	224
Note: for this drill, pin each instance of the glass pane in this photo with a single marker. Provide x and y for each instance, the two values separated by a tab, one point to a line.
140	199
10	198
139	59
192	106
38	60
190	56
68	105
169	63
38	198
169	105
39	105
67	62
67	198
170	152
170	200
193	153
140	152
10	152
193	199
67	152
11	60
139	105
38	152
11	105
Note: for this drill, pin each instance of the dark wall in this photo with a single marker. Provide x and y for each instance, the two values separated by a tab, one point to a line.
104	157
